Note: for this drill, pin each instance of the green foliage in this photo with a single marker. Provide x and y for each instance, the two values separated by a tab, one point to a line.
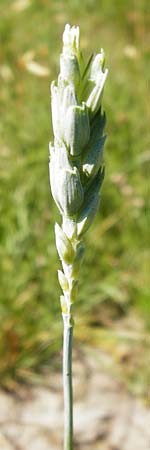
115	265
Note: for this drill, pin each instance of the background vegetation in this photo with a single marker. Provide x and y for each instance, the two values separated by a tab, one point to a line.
113	311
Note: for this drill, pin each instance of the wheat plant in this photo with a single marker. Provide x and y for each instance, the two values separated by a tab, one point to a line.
76	175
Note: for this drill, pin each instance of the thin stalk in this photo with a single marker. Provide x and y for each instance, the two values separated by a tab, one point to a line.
67	382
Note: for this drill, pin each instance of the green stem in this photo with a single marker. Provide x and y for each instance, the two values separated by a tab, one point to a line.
67	382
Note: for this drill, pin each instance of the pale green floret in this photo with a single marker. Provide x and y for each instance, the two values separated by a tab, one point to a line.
64	247
62	97
66	185
69	227
68	99
94	99
61	156
77	129
97	65
71	44
71	37
63	281
69	69
70	191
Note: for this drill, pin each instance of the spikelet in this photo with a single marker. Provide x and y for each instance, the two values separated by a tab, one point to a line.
77	154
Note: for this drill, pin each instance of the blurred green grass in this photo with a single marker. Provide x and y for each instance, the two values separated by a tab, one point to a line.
114	278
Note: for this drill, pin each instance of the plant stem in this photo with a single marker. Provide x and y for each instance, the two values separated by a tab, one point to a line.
67	382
